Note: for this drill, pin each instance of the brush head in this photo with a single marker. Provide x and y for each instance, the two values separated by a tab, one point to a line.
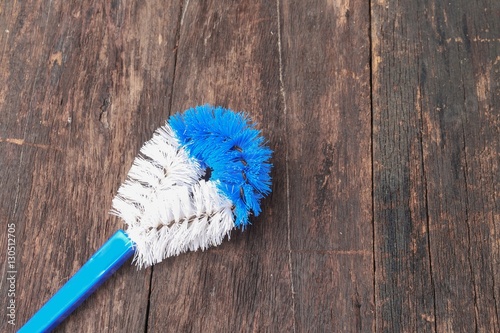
202	174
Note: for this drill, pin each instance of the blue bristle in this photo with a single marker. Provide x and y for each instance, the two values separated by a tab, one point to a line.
229	144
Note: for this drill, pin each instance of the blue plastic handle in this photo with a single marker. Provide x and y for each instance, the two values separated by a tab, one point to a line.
96	270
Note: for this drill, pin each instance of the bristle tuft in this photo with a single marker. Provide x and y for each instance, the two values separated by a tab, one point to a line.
167	208
229	144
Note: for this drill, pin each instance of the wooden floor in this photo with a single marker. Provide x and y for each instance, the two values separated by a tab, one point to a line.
385	121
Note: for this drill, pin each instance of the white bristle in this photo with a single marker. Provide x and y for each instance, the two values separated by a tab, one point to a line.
166	205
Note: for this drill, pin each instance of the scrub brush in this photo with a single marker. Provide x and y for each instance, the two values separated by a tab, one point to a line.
202	174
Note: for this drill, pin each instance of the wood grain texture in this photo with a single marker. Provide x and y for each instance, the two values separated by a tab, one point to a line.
436	157
384	118
326	76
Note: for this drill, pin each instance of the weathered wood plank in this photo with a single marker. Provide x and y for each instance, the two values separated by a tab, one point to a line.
228	55
326	80
404	286
435	81
87	83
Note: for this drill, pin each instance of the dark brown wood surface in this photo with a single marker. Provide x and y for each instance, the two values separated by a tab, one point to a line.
385	121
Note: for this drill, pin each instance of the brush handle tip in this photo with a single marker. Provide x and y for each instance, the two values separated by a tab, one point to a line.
96	270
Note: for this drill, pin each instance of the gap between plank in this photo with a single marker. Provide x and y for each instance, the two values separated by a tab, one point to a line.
287	173
374	263
180	19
